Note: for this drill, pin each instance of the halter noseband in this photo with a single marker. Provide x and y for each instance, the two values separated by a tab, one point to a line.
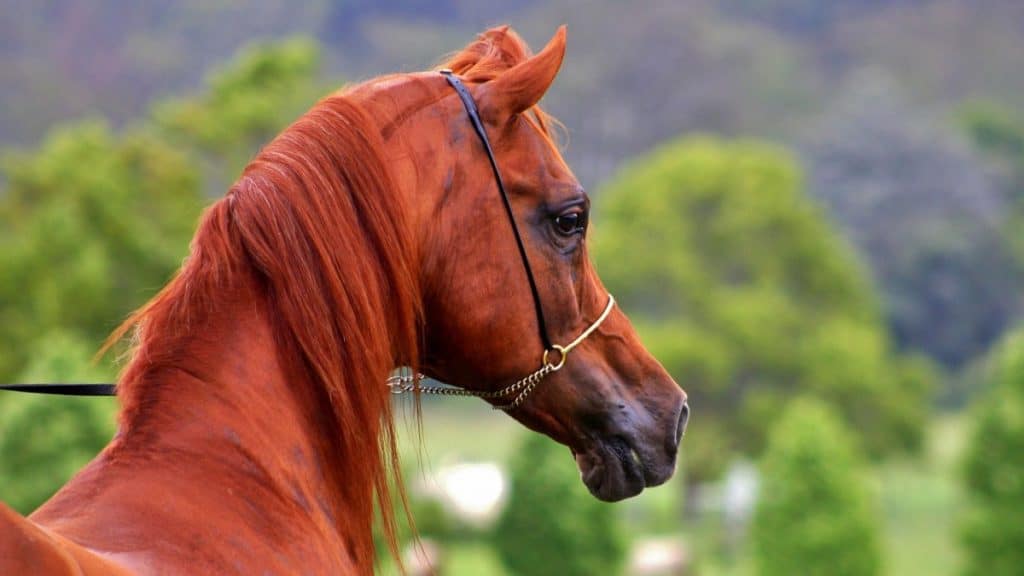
407	382
403	383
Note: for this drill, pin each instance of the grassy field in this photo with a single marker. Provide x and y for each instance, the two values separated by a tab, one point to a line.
920	501
918	498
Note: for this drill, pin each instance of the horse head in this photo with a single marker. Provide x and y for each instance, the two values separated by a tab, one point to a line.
487	323
253	412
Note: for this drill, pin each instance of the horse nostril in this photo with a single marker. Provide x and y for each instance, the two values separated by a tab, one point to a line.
684	415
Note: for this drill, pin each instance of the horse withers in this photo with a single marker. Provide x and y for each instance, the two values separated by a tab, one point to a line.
423	220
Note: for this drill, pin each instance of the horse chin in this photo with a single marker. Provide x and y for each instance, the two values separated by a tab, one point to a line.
612	470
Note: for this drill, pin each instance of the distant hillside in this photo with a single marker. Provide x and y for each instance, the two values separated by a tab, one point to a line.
635	75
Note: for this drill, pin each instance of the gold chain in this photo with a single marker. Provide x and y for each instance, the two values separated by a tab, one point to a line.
404	383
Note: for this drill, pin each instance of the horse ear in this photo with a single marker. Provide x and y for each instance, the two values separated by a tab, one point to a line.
523	85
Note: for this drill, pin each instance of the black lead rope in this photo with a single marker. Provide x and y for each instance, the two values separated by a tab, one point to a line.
474	119
478	126
63	389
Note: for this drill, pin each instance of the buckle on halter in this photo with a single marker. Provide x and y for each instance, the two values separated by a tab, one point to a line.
562	355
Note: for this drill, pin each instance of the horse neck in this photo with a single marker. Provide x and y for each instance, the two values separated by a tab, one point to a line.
259	371
229	401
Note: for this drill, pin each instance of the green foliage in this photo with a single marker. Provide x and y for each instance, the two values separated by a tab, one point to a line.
551	525
993	473
247	102
813	515
91	224
740	288
46	439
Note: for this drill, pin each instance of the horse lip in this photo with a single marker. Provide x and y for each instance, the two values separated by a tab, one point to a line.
612	470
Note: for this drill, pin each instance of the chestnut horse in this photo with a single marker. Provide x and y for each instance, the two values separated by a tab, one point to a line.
255	432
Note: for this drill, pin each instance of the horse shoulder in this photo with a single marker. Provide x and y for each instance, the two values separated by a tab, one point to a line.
26	548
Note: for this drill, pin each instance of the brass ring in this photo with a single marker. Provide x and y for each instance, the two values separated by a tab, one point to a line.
561	359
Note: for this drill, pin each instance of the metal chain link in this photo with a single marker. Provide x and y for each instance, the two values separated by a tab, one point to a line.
404	383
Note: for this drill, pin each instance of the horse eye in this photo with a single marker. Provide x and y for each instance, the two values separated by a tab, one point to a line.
571	223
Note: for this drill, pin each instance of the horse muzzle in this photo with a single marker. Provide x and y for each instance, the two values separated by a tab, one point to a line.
635	456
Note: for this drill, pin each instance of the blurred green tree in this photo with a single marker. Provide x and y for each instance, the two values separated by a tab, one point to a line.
813	514
740	288
94	222
44	440
91	224
551	525
245	104
993	473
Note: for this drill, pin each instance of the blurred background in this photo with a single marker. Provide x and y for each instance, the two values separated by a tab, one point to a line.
811	210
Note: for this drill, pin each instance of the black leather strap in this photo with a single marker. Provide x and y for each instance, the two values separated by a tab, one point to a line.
478	125
63	389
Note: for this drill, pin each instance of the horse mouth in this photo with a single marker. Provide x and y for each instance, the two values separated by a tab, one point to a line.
614	470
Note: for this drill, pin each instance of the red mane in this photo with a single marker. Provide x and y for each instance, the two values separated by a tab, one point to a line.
316	222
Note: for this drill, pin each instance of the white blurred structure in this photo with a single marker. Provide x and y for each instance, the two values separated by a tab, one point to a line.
659	557
739	496
473	492
425	559
734	496
739	492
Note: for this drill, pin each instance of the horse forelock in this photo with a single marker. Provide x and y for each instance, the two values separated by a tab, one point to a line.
316	221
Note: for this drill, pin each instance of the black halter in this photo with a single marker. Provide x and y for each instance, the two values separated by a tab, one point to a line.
474	119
